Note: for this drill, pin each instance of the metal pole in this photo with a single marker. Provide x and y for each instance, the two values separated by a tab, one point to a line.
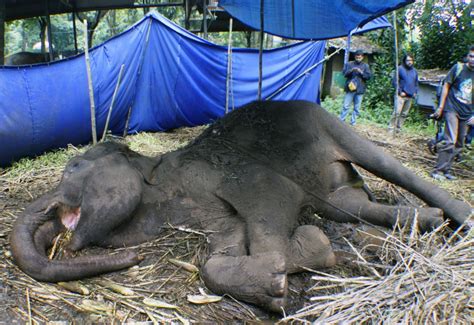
2	32
260	51
229	67
89	82
74	29
348	48
395	38
50	34
119	79
204	17
187	14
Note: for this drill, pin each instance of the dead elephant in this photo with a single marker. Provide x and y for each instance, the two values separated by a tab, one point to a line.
246	178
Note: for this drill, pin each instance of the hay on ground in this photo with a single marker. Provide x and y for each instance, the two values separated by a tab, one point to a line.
397	276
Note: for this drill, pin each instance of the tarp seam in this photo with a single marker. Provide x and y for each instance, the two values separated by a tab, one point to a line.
139	71
180	71
30	111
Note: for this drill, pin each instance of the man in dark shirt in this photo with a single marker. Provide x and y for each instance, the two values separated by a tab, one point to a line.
407	90
356	73
456	106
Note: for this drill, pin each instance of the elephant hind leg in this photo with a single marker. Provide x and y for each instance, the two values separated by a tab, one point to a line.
346	202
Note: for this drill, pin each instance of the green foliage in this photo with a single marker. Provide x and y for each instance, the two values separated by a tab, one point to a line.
21	35
333	105
416	123
48	161
445	32
239	39
378	99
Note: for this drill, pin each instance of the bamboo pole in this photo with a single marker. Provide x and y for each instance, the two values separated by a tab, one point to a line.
260	51
91	88
302	74
229	67
119	79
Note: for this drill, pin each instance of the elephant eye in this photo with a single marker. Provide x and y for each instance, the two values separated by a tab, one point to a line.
73	167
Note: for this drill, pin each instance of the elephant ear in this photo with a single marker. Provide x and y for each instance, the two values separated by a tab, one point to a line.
111	192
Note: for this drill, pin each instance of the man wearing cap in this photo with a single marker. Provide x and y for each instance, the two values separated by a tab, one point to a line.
356	73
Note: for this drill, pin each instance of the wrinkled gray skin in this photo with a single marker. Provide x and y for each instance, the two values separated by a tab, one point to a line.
246	178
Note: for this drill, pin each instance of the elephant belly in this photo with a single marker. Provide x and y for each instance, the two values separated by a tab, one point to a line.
195	212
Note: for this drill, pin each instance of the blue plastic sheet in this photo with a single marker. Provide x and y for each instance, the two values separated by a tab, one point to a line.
310	19
172	78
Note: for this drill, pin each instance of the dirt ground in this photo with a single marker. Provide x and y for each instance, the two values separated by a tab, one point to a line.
97	300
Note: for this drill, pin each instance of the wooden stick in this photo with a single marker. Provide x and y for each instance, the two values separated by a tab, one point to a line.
119	79
89	81
28	306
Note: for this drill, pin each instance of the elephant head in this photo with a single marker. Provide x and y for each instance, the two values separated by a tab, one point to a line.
98	192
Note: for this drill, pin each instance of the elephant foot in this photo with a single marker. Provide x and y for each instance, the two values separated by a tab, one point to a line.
429	218
309	248
459	213
259	279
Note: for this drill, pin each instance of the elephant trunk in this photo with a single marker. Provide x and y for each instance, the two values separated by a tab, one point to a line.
31	237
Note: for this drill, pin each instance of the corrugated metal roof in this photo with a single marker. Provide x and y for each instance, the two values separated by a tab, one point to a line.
357	43
20	9
431	76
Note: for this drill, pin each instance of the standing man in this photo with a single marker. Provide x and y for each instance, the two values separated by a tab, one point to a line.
407	90
456	107
356	73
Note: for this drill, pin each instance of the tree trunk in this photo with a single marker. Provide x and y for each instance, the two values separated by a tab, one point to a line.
43	25
92	22
112	22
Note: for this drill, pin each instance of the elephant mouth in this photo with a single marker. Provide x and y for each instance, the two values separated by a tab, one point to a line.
69	215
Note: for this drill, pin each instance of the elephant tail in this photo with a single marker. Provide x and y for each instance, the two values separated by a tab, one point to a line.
32	234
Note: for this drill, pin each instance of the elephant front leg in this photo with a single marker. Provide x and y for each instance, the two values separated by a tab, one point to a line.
258	279
274	245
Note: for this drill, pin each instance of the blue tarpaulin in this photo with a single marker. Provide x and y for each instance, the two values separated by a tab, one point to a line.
172	78
310	19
